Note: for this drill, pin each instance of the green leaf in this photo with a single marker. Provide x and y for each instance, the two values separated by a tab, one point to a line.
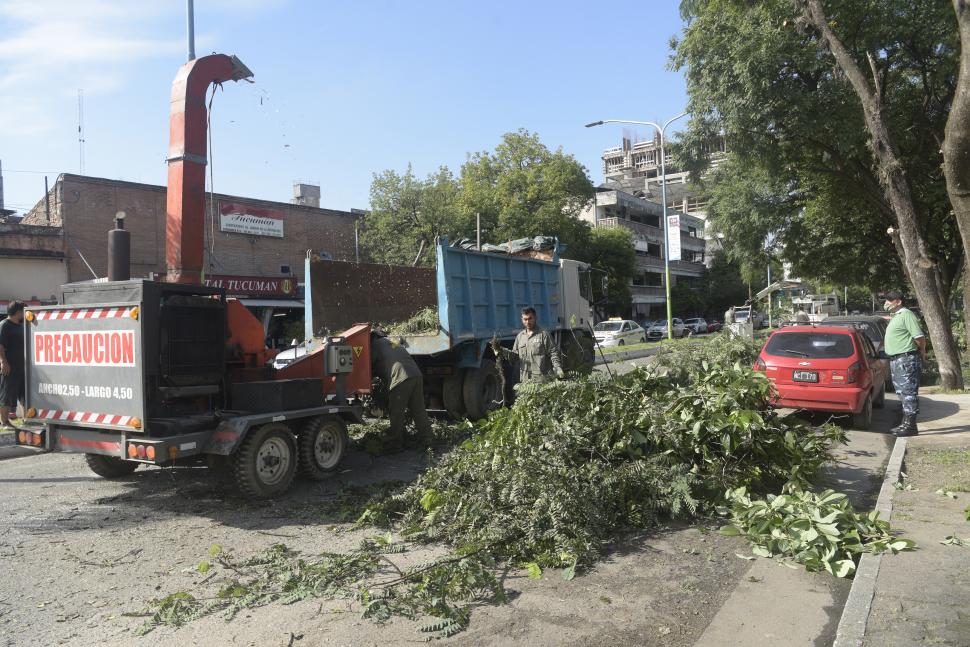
533	570
761	551
946	493
203	566
430	500
215	550
843	568
729	531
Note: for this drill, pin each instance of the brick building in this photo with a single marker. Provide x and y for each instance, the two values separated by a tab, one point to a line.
254	248
84	209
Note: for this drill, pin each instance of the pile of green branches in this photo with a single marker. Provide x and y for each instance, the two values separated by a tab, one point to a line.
549	481
423	322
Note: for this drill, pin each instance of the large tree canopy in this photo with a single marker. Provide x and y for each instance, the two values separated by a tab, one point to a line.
820	156
520	189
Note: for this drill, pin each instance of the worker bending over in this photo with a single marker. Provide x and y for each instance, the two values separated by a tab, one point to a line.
405	387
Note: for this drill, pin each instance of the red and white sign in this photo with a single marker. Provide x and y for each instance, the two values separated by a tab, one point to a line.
113	348
253	221
253	286
90	313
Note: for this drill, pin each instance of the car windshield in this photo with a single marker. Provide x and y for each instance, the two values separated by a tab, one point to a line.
818	345
608	326
871	331
740	316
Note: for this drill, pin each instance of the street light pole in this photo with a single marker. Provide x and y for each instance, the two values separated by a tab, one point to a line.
663	193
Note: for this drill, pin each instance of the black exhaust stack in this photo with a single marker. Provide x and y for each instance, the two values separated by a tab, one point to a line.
119	250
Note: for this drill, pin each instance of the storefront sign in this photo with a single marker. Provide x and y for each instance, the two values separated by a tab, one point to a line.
253	286
253	221
673	238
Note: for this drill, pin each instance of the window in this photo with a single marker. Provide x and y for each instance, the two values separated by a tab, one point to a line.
653	279
692	232
285	269
814	345
614	164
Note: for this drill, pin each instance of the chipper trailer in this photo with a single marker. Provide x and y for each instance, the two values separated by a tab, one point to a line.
137	371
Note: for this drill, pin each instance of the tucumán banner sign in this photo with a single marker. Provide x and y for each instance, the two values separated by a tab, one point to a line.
253	286
238	218
673	238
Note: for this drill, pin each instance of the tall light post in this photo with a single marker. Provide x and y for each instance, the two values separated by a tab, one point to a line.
663	192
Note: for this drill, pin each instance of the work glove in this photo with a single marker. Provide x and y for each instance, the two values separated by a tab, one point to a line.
495	345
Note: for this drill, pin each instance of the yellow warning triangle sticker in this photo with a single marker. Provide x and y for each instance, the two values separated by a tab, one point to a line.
358	350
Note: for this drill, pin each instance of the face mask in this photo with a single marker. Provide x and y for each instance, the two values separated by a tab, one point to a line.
890	306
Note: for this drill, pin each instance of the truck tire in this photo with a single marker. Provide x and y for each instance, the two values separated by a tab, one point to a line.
451	395
110	467
265	464
482	390
322	445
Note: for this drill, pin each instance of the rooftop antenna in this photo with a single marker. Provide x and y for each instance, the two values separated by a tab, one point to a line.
190	27
80	128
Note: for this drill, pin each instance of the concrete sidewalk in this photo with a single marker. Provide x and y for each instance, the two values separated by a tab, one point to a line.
923	597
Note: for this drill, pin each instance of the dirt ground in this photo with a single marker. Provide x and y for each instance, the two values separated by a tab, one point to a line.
78	553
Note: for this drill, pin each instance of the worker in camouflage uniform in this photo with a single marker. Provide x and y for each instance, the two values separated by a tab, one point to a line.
405	388
534	349
906	347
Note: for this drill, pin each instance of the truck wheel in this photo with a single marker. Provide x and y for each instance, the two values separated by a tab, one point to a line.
265	463
110	467
482	390
863	420
451	394
322	446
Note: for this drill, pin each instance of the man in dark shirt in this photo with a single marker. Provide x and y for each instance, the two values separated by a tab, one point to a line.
11	361
405	385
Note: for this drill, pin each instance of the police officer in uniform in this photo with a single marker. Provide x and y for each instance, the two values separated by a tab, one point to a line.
405	387
906	347
535	350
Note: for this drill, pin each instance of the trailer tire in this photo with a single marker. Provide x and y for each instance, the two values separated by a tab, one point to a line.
451	394
110	467
482	390
322	445
265	464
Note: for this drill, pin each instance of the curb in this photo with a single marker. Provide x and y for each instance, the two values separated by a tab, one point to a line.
855	614
8	438
624	355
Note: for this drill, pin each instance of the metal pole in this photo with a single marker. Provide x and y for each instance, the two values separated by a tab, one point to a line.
190	26
47	201
356	241
769	291
663	194
478	231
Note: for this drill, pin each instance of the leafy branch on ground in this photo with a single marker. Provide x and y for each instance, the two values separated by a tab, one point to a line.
819	531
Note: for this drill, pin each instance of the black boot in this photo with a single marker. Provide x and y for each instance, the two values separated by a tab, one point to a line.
908	428
900	425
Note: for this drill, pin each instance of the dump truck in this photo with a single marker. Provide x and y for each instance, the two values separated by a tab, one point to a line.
480	295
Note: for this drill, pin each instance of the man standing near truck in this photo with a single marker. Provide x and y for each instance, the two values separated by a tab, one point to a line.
11	361
405	387
534	349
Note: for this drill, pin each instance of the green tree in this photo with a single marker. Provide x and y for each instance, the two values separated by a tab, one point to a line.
610	250
844	156
524	189
723	285
407	214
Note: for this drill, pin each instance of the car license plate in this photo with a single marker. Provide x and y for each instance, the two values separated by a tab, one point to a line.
805	376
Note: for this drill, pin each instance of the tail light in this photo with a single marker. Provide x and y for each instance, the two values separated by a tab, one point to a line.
853	373
759	365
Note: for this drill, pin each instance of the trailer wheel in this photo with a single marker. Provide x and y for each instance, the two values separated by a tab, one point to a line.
482	390
322	446
451	394
266	461
110	467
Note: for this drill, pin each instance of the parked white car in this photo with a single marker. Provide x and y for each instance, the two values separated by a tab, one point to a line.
289	355
659	331
697	326
619	332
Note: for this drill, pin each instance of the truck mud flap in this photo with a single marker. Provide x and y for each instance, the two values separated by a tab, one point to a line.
81	441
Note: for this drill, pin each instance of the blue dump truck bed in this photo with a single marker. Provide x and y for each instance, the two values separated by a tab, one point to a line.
481	295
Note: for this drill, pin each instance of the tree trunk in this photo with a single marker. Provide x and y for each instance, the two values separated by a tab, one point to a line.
920	267
966	302
956	148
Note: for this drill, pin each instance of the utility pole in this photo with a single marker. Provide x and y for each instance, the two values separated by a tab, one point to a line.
80	129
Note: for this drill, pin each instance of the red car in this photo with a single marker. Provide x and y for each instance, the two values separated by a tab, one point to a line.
714	325
825	368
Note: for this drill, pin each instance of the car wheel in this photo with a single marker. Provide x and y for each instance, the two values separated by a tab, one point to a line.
863	420
880	400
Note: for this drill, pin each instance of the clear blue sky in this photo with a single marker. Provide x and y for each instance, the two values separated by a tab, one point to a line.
343	90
